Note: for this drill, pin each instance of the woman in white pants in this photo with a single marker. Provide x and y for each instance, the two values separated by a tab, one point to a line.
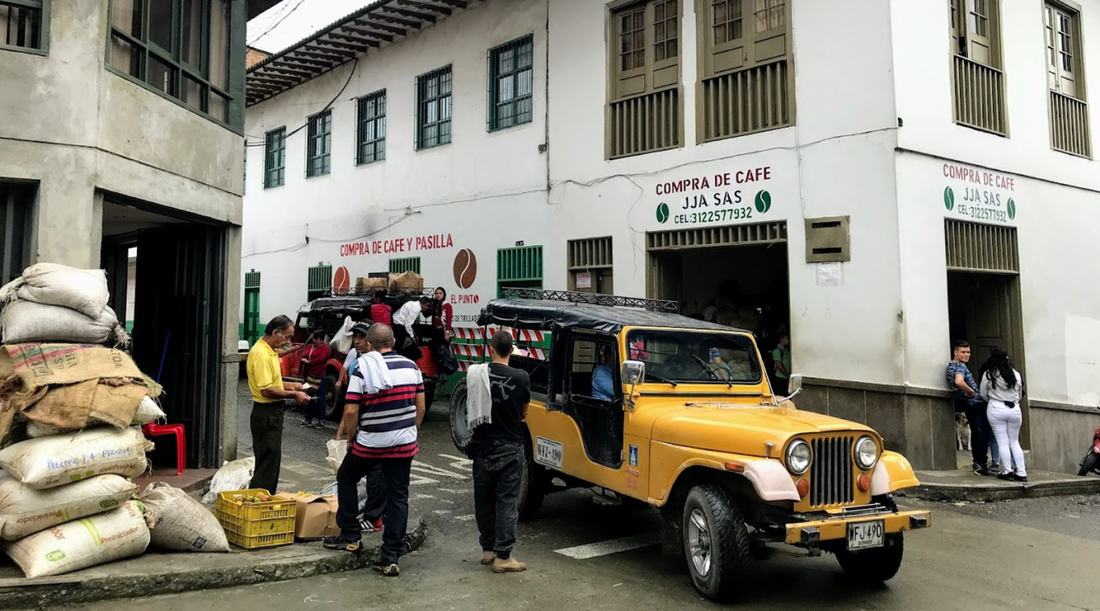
1003	386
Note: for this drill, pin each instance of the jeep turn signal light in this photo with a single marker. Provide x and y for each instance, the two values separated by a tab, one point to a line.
864	482
803	487
736	468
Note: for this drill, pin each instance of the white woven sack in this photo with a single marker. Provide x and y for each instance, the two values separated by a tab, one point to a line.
25	511
100	539
28	322
179	523
49	462
234	475
83	290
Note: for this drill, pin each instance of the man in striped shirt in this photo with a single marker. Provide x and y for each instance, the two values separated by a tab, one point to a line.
381	428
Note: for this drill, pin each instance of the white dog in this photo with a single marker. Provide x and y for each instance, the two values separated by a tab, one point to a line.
962	432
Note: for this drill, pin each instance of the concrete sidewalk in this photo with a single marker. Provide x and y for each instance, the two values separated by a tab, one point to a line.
155	573
965	485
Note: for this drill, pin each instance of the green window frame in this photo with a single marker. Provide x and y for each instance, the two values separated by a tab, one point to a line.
519	267
511	83
275	158
370	134
250	327
406	264
318	281
433	108
319	144
25	26
182	50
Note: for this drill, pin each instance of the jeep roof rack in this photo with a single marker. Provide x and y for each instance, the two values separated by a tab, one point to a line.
658	305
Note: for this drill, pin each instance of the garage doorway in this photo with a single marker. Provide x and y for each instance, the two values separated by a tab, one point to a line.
983	295
176	288
735	275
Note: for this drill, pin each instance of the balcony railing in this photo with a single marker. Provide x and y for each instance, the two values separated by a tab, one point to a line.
644	124
752	100
979	96
1069	125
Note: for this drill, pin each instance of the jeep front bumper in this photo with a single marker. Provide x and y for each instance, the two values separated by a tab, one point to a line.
836	527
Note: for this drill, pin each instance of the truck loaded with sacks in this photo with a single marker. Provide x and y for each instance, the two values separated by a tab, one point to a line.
72	407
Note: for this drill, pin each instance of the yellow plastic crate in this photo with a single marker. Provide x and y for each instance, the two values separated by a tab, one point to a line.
254	525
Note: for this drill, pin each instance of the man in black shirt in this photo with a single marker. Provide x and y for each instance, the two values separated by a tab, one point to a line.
498	451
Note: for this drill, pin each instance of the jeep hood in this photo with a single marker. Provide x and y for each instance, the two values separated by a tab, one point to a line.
741	429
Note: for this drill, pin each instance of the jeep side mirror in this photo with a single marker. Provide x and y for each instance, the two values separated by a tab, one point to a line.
633	374
794	387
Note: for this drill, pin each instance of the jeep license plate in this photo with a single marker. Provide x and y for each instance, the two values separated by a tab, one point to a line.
866	535
548	452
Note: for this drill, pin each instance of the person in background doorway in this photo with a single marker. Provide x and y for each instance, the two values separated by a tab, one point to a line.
383	412
994	448
710	312
314	360
781	355
443	314
265	382
497	449
1003	387
603	378
968	399
379	311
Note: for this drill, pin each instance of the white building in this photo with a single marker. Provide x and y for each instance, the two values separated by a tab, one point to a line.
122	129
865	172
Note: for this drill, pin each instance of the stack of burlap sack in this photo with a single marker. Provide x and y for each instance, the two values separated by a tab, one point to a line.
70	436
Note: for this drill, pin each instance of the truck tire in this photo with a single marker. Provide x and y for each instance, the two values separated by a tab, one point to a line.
874	566
460	430
429	394
716	542
334	399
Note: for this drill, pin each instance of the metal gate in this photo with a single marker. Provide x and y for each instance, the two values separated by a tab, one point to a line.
974	247
519	267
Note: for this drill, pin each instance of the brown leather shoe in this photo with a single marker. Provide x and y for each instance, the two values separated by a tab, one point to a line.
510	565
487	558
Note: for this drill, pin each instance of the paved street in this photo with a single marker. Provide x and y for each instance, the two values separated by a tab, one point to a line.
1035	554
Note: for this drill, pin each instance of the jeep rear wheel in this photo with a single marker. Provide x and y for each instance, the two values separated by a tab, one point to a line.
716	542
533	486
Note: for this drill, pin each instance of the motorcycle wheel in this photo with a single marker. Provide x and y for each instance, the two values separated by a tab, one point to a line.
1089	464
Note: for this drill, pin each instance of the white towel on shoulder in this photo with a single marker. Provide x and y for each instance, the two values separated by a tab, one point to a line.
479	399
376	373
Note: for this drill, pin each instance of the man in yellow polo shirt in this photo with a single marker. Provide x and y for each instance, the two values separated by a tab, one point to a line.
265	380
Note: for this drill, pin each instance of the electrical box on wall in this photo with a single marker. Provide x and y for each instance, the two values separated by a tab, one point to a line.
828	240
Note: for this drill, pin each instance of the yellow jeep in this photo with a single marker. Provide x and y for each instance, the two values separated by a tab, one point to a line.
691	426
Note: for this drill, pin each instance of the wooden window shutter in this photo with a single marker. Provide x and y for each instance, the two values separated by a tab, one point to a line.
768	25
1066	58
630	26
664	51
981	28
725	34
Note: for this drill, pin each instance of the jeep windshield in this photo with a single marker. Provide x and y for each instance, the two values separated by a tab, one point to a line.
696	357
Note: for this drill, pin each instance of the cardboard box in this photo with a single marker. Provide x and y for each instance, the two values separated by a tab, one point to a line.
316	516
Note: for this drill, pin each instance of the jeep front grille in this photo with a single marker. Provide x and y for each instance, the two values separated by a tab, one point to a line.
831	471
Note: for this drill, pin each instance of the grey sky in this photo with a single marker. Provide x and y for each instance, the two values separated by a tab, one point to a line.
296	20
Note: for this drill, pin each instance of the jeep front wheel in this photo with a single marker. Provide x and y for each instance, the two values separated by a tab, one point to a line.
716	542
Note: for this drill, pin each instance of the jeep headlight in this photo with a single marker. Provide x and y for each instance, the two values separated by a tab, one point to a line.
866	452
799	456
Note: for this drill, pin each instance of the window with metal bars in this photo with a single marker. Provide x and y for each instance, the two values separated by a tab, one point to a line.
181	49
319	281
589	264
370	135
1069	116
433	108
275	158
15	229
319	144
519	267
645	111
747	81
406	264
979	99
25	24
511	78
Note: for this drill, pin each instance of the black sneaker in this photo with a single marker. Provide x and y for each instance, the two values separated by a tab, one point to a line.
389	570
343	543
1019	478
1008	477
980	470
306	423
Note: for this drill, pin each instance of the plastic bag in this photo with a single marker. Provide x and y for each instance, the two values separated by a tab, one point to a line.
232	476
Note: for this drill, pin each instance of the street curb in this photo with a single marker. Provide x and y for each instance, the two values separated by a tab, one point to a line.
984	493
49	593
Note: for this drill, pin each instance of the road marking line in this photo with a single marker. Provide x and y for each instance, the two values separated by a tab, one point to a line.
432	470
442	512
465	518
459	462
614	546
